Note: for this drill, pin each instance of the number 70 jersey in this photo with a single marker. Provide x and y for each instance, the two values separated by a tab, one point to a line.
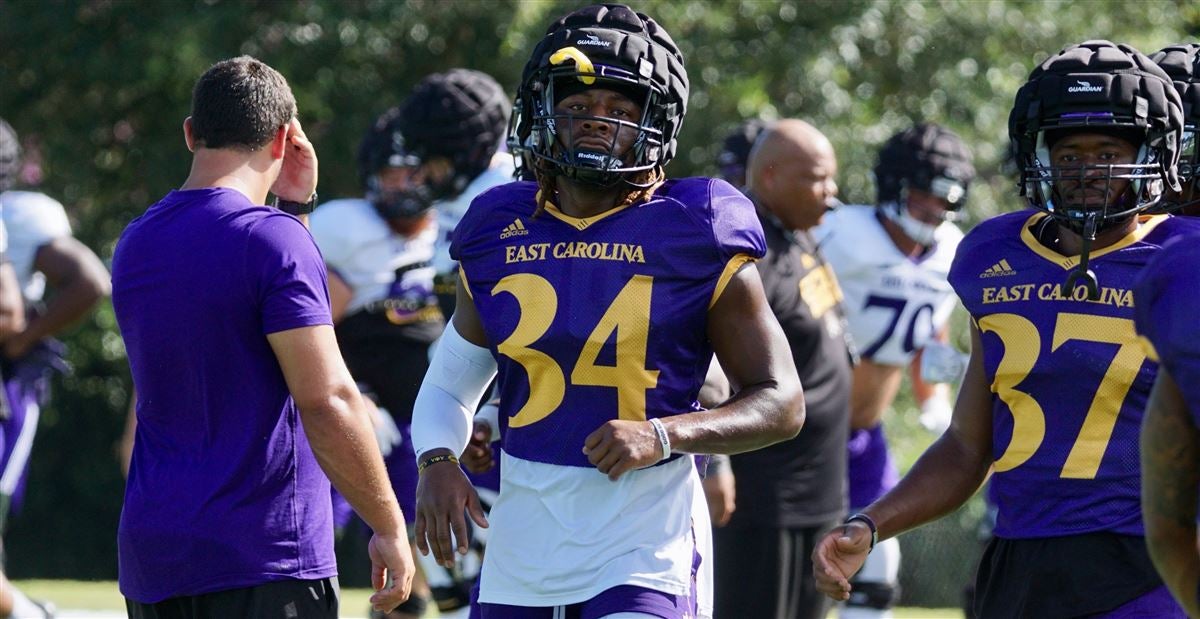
1069	378
600	318
894	305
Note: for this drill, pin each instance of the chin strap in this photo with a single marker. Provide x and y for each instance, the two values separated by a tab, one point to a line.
1082	272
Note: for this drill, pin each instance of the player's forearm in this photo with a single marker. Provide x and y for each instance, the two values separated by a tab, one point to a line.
339	431
1170	456
757	416
941	481
73	299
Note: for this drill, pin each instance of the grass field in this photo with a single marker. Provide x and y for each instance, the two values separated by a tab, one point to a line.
103	596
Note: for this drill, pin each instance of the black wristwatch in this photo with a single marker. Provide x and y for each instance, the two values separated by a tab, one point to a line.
296	208
865	519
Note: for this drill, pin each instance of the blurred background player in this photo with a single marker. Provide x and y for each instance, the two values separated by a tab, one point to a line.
891	261
601	291
1057	382
1166	299
791	492
43	254
1182	64
735	151
421	164
12	319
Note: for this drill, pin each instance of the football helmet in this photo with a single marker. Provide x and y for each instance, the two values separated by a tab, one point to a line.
459	115
1102	87
1182	64
10	156
601	46
929	158
735	150
1098	87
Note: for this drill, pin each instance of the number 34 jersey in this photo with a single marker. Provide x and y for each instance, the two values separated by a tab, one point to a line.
600	318
1069	379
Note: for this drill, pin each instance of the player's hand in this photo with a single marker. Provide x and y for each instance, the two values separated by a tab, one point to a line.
719	490
620	446
443	496
936	413
838	556
392	569
298	179
478	456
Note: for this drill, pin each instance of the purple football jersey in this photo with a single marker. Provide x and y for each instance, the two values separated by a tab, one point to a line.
224	491
1167	297
1069	378
600	318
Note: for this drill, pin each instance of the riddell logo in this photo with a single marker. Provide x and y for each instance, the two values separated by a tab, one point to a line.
594	41
516	228
1082	86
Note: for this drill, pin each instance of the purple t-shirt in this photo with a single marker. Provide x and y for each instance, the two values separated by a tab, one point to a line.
224	491
600	318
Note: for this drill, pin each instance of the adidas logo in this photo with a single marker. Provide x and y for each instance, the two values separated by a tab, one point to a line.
516	228
999	269
1082	86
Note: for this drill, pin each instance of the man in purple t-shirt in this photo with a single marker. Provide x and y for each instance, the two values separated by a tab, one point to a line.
244	403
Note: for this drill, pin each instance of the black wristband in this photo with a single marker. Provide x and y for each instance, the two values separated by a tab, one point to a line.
296	208
865	519
431	460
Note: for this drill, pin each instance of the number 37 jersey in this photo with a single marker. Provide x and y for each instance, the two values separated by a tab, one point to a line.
1069	379
600	318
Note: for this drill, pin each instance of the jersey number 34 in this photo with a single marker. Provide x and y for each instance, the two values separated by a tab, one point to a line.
628	315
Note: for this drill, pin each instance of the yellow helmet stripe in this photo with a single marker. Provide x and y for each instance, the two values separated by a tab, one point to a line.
581	62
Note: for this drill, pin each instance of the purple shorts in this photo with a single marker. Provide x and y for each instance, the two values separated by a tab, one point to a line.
622	599
1156	604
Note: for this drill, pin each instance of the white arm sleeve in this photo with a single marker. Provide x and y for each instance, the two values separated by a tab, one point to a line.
458	378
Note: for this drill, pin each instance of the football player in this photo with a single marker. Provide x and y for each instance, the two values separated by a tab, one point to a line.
421	164
43	254
600	292
891	261
735	151
1182	63
1056	384
1166	298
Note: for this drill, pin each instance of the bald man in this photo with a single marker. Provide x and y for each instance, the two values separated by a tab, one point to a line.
791	492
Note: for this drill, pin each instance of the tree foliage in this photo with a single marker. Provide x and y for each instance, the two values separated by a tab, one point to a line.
99	89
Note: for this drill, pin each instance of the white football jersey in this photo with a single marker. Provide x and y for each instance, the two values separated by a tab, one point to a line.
450	212
32	220
894	304
359	246
562	534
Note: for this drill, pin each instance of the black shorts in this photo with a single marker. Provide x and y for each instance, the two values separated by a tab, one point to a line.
1062	577
285	599
767	573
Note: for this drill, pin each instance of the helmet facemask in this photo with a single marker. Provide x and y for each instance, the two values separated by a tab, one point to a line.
1187	201
950	191
427	183
552	141
1042	179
